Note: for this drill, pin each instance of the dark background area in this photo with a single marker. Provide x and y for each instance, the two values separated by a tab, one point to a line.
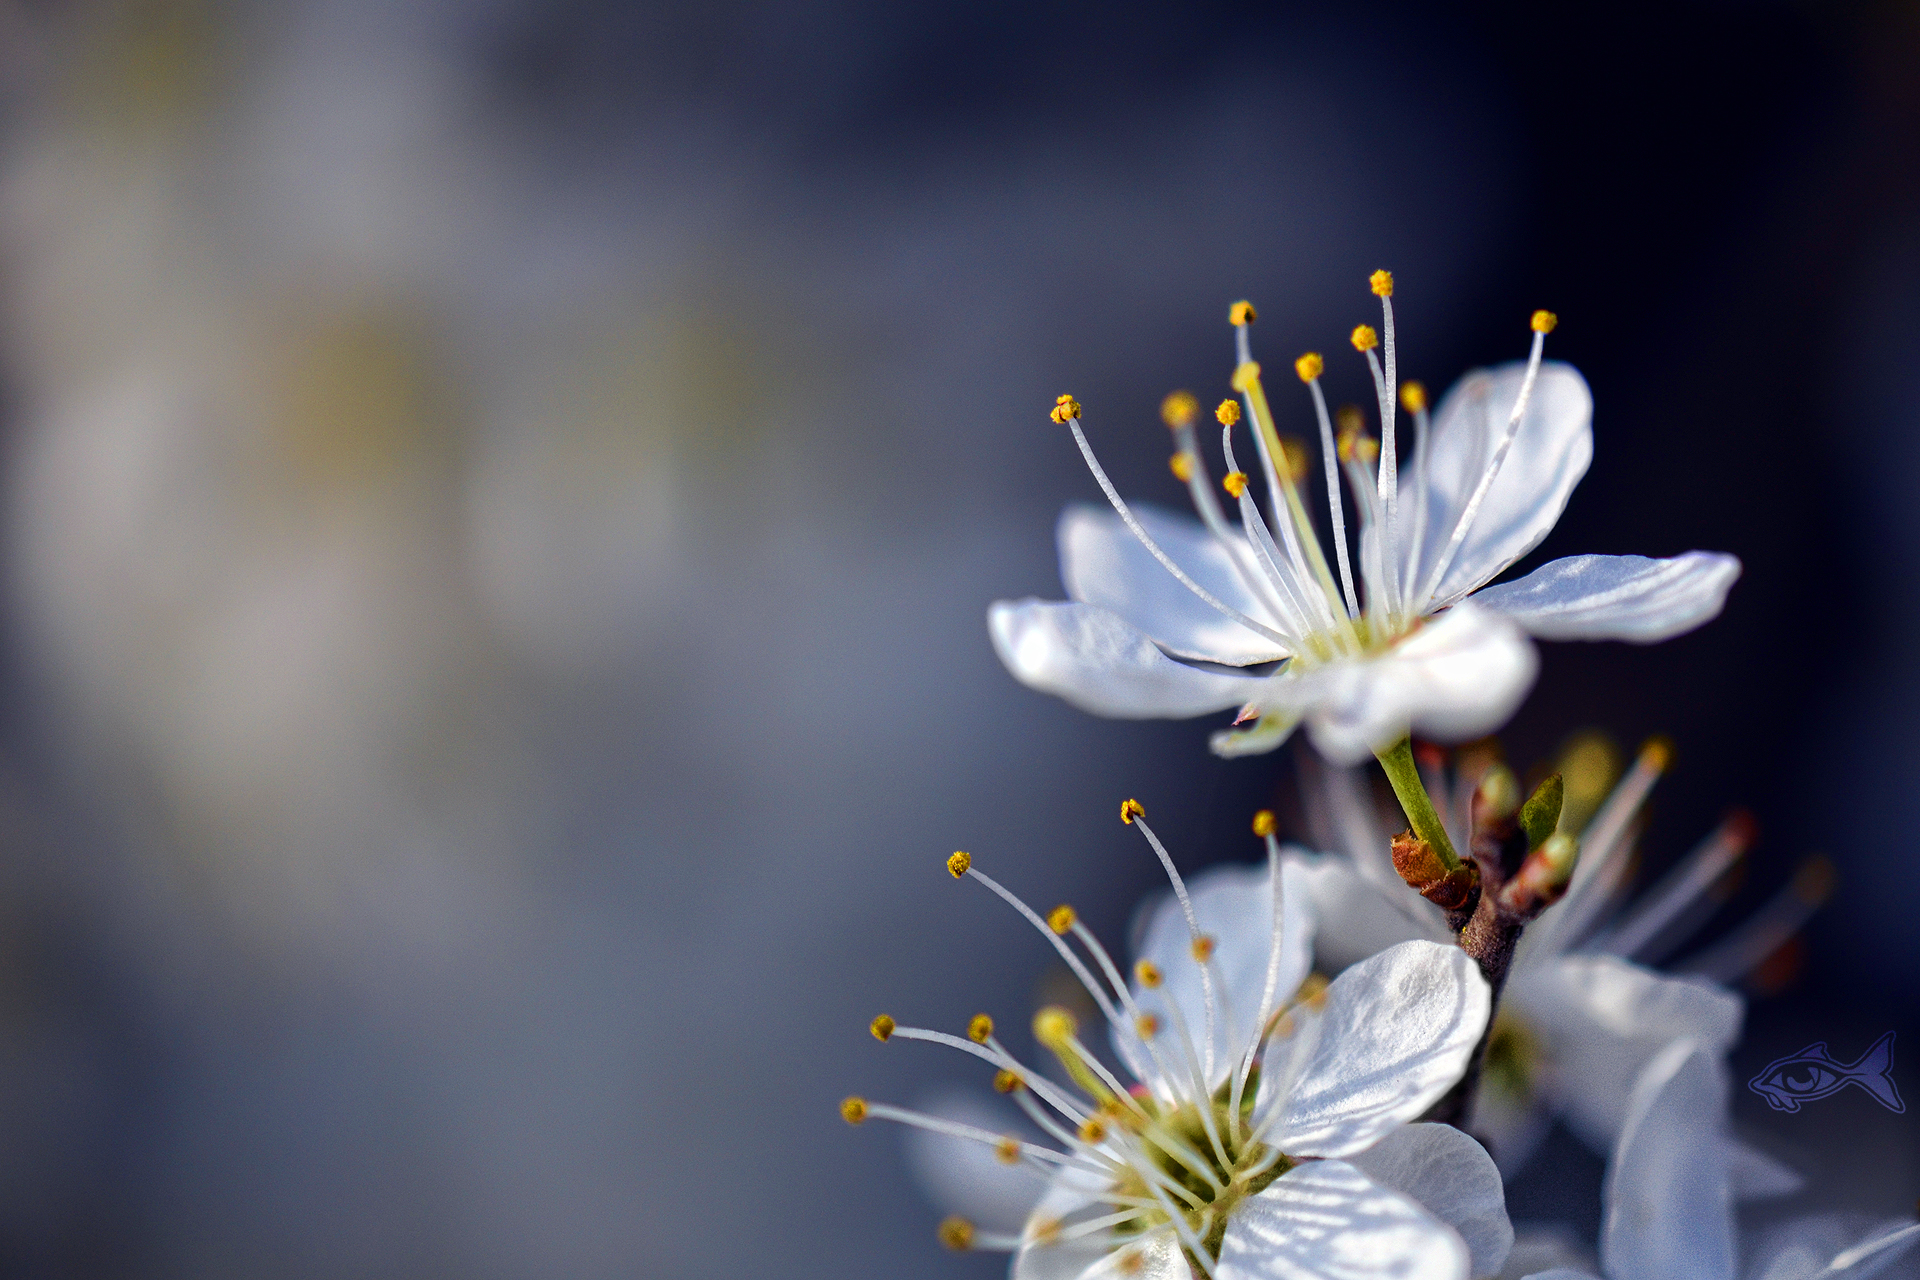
500	500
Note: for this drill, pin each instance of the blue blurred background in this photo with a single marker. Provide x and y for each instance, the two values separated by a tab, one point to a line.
500	501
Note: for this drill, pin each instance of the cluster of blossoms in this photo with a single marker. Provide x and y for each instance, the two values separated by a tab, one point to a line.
1325	1066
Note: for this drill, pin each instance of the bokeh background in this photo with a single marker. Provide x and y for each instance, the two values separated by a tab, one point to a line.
498	502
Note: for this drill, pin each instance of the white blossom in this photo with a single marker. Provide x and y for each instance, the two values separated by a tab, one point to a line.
1171	616
1243	1125
1671	1186
1582	1011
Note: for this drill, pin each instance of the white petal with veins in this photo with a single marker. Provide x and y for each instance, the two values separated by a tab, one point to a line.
1617	597
1326	1220
1550	454
1095	661
1395	1034
1102	563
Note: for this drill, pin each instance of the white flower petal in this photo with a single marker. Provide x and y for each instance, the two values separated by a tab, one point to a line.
1098	663
1561	1273
1513	1125
1154	1256
1326	1220
1356	919
1102	563
1234	906
1395	1034
1603	1019
1460	676
1072	1195
1757	1175
1669	1202
1616	597
1831	1245
1454	1178
1549	455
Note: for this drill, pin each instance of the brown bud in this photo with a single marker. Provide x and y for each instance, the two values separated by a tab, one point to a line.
1427	875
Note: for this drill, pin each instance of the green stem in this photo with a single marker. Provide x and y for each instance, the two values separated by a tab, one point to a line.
1397	760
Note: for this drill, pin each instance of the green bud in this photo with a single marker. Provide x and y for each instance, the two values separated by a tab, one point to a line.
1540	815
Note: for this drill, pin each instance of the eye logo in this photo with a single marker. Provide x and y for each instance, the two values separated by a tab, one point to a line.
1812	1074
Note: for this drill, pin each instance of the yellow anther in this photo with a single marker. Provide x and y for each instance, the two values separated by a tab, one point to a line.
1264	823
1343	444
957	1234
1005	1082
1203	948
1181	466
1179	409
1413	397
1007	1150
1228	413
1131	809
1245	375
1309	366
958	864
882	1028
853	1110
1147	1025
1065	408
1147	972
1381	282
1364	338
1544	321
1044	1231
1054	1027
979	1028
1061	918
1130	1263
1348	419
1657	753
1235	483
1094	1131
1241	313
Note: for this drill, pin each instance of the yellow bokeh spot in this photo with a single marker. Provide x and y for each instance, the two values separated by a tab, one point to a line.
1235	483
1131	809
1245	375
1264	823
1147	1025
1293	451
1061	919
1147	972
1007	1150
1543	321
1309	366
1179	409
1054	1026
882	1028
1381	282
957	1234
1005	1082
1181	466
1364	338
853	1110
1228	413
1242	313
959	863
1657	753
1203	948
1413	397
